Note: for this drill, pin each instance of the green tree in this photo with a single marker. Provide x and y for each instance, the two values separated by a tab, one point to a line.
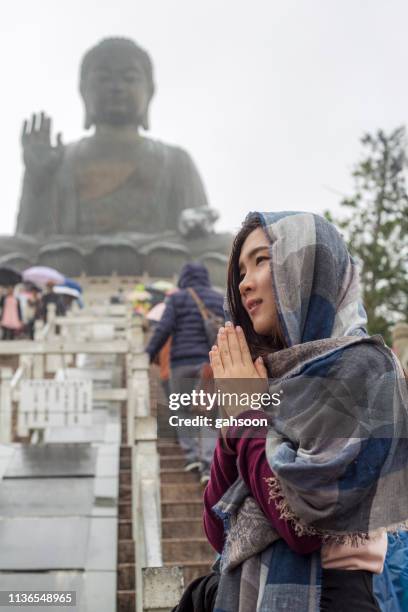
376	228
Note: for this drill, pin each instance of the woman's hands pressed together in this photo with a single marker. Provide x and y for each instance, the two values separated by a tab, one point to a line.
232	358
234	370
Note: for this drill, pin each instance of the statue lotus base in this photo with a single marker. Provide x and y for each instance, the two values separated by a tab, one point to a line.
124	254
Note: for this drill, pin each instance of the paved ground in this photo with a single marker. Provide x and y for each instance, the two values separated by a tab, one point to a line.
59	510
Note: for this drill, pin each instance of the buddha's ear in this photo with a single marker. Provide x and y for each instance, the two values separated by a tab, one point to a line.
88	121
145	120
89	112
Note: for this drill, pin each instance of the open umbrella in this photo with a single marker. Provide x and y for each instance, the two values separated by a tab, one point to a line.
63	290
41	275
69	282
161	285
157	296
9	277
138	296
156	313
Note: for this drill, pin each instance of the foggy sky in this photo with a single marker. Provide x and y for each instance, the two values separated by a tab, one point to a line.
269	97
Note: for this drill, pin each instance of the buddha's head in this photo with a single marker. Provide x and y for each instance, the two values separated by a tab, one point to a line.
116	84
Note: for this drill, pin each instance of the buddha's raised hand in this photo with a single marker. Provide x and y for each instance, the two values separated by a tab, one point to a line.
40	156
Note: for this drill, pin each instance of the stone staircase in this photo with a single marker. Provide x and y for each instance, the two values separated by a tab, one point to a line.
184	542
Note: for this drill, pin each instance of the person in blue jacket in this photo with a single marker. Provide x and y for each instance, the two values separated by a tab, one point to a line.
183	321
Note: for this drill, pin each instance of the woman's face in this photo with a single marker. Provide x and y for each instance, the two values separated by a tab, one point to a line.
255	284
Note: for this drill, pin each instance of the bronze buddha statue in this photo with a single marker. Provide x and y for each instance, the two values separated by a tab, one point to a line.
115	200
114	180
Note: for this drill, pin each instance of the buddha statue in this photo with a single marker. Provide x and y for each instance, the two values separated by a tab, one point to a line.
116	179
116	200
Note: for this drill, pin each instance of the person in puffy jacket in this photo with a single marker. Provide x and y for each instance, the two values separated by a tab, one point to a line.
182	321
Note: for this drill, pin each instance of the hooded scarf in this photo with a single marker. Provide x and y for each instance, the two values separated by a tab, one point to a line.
337	443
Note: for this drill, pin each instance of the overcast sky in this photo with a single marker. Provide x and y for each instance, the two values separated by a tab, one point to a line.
269	97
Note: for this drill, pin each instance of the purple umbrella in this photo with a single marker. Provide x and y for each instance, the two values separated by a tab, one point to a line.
41	275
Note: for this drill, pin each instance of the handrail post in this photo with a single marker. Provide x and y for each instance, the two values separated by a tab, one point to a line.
38	327
138	407
26	363
131	401
142	435
162	588
38	366
6	375
51	316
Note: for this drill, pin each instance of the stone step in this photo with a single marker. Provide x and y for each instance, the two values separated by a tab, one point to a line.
172	461
182	509
125	510
126	577
186	549
193	569
126	601
182	527
126	551
164	414
173	476
125	493
165	430
180	492
125	452
169	448
125	477
125	530
125	463
163	425
191	572
162	434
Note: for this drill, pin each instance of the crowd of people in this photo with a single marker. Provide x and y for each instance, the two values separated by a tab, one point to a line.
22	306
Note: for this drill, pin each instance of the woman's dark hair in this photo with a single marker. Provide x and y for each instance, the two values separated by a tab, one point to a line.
259	345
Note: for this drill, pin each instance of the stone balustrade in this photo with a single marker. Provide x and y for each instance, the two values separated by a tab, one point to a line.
104	330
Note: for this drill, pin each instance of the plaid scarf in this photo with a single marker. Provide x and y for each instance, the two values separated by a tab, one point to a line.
337	444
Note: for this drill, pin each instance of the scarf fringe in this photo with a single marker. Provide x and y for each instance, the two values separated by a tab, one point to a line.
301	529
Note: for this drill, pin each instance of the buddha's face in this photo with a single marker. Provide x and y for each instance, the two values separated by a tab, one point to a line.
116	90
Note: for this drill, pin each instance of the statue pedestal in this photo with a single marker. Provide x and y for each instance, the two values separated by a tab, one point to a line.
125	254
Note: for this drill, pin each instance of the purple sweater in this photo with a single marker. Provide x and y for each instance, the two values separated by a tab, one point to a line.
247	454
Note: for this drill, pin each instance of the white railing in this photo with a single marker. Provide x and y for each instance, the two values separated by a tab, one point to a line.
6	407
38	358
48	354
